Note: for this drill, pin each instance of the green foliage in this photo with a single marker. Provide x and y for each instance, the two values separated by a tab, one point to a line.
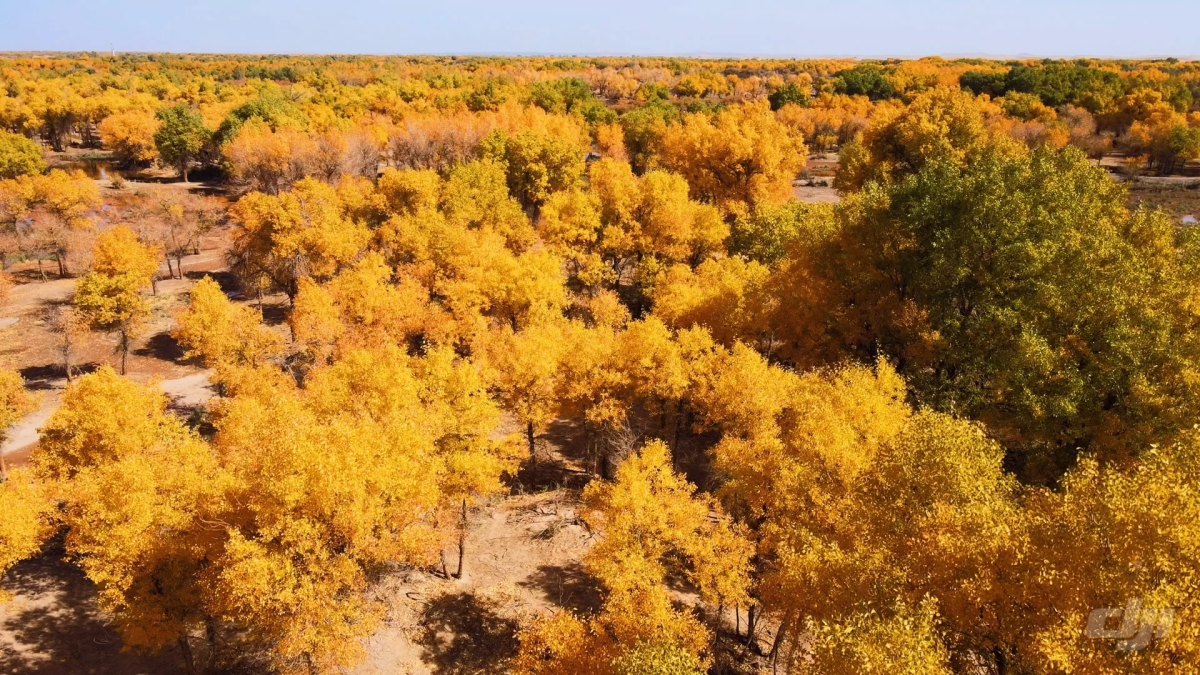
874	644
182	136
867	79
1055	83
488	96
770	232
788	94
272	107
657	659
536	165
992	83
1020	290
1060	83
571	95
560	96
643	127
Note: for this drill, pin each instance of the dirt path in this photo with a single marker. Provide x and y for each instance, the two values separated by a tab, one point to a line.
189	391
25	432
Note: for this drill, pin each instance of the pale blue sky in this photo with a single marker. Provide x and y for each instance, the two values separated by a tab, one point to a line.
610	27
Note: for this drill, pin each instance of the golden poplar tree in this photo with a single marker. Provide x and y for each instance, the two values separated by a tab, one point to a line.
222	333
648	517
110	296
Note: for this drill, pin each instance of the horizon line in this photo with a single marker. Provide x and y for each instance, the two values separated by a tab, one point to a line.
600	55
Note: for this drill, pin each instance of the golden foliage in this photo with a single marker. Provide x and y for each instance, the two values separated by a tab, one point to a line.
737	159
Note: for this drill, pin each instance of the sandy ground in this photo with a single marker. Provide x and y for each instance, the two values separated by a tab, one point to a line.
522	561
816	194
28	344
25	432
523	558
52	626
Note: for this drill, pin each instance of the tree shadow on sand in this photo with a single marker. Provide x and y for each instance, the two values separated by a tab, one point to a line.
465	634
226	280
52	626
568	586
561	461
162	346
45	377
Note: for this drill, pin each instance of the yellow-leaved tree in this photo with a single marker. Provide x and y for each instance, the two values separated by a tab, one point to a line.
525	368
139	489
381	459
1119	542
26	518
652	521
857	502
110	296
222	333
903	640
736	159
303	232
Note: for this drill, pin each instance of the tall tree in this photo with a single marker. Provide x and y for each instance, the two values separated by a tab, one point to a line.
181	137
649	516
222	333
110	296
26	518
1020	290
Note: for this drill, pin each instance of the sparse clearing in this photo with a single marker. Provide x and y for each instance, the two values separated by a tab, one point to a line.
816	194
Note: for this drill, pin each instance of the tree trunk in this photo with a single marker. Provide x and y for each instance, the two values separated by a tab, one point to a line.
716	628
67	365
532	443
62	268
183	169
185	649
41	271
751	623
210	633
124	348
179	265
1001	661
680	411
780	634
462	539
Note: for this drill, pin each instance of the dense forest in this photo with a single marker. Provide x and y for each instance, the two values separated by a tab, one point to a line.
930	424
